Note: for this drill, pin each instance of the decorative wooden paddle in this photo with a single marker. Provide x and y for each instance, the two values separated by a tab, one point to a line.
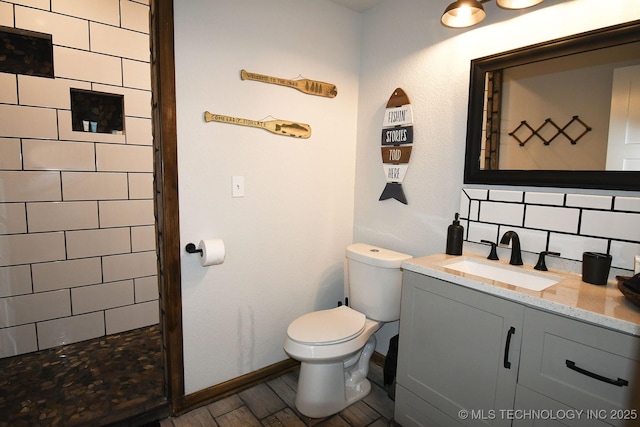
311	87
279	127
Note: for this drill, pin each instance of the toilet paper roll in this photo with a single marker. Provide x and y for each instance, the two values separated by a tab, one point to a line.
213	252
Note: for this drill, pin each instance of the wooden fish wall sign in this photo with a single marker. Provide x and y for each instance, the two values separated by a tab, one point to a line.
279	127
397	139
310	87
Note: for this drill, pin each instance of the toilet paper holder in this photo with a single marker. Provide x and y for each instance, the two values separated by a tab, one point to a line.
191	248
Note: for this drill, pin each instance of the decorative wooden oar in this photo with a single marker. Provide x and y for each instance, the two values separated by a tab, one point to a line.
279	127
311	87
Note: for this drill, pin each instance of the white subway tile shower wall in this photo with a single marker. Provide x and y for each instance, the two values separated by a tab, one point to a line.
567	223
77	235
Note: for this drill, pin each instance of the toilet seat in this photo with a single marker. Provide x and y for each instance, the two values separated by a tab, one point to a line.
327	327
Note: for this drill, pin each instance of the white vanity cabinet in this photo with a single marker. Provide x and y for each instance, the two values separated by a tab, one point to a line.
469	358
458	354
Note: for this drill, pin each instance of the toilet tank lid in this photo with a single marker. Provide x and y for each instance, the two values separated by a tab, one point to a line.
373	255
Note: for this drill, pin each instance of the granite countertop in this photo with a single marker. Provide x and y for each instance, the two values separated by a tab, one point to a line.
602	305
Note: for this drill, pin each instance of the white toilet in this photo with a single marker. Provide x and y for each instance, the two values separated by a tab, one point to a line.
334	346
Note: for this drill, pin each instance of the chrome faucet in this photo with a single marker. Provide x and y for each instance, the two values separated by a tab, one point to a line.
516	253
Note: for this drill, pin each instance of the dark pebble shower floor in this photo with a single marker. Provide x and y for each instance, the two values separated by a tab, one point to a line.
111	380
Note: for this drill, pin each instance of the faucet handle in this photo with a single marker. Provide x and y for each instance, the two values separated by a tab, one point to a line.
541	265
493	255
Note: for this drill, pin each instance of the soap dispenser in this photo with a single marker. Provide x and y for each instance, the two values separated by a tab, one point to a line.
455	236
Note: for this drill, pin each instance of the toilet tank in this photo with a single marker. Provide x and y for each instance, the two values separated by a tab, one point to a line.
375	281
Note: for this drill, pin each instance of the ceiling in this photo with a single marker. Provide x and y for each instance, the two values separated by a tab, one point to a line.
358	5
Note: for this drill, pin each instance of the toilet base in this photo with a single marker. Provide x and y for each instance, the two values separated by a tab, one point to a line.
327	388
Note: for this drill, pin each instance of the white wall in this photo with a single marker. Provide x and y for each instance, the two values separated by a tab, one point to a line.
405	46
285	239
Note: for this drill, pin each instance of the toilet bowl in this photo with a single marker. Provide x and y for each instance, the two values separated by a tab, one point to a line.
334	346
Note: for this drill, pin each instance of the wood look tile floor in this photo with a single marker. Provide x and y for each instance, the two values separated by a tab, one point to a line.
271	404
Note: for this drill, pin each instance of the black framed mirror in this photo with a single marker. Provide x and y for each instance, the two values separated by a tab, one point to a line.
487	73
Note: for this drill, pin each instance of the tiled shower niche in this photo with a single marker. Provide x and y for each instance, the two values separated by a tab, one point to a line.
567	223
96	112
26	52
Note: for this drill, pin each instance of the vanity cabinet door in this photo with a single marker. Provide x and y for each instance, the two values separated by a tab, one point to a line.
458	351
583	366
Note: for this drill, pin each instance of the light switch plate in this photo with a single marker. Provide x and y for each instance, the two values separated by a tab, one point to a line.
237	186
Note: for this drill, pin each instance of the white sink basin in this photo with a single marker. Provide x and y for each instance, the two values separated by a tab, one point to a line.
512	275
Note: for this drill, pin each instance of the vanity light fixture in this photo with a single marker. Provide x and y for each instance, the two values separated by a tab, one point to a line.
465	13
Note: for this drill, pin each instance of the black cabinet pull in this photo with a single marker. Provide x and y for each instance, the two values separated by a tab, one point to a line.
512	331
619	382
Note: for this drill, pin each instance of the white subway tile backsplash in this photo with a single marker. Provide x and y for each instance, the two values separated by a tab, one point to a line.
464	205
572	246
29	186
34	308
51	276
146	289
126	213
143	238
69	330
65	30
134	16
106	11
10	154
86	299
567	223
124	158
589	201
18	340
28	122
59	216
58	155
31	248
6	15
502	213
552	218
474	210
131	317
141	186
506	196
54	93
129	266
15	280
136	74
120	42
536	198
95	67
94	186
109	241
40	4
8	88
476	193
13	218
618	225
478	231
138	131
631	204
623	254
